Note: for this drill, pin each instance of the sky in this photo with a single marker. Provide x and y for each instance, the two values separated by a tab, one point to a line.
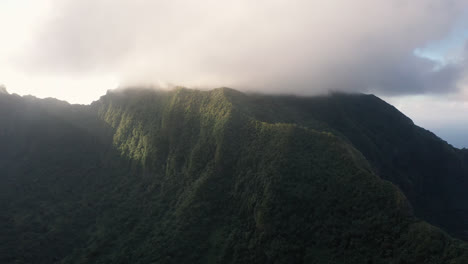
412	53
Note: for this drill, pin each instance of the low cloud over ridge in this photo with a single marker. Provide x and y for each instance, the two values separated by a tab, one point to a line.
294	46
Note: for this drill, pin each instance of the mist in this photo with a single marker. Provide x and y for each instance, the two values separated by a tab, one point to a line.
297	47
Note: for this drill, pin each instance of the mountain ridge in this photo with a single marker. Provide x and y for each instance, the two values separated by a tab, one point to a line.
219	176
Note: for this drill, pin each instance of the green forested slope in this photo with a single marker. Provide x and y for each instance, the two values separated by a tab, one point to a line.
431	173
51	172
198	177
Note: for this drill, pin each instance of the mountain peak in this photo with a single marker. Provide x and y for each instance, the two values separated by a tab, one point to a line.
229	177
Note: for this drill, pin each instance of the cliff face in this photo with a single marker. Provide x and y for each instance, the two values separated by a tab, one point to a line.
186	176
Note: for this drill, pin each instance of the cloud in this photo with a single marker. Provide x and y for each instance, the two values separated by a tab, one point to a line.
282	46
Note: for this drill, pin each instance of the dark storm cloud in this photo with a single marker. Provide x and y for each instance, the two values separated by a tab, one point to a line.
298	46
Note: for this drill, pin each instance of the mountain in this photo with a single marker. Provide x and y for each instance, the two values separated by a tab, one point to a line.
187	176
431	173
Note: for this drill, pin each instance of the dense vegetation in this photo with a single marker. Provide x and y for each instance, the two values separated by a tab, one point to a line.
185	176
431	173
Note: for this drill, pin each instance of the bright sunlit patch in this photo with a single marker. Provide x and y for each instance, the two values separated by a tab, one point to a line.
20	20
82	90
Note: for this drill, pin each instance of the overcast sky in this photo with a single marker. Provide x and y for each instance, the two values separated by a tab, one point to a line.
410	52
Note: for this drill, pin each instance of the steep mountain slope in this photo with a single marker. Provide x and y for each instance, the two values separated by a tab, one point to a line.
186	176
49	171
431	173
